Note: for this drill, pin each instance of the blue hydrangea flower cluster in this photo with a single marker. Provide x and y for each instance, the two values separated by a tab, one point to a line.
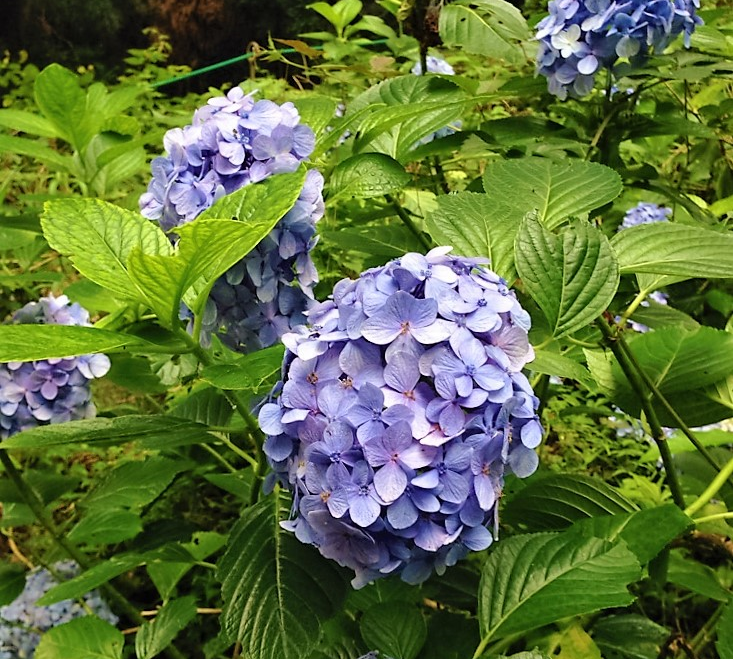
579	37
48	390
644	213
22	622
402	406
234	141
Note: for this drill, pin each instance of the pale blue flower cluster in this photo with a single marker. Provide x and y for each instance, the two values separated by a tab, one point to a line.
579	37
48	390
22	622
234	141
402	407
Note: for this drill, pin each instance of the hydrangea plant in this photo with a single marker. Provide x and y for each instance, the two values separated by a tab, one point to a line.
232	142
22	622
402	406
48	390
580	37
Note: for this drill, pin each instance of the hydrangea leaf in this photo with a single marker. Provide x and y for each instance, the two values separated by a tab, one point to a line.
484	27
532	580
572	277
389	241
555	190
157	634
317	112
395	628
695	577
276	590
690	367
99	237
665	248
22	343
476	225
256	372
12	582
106	527
555	502
83	637
629	636
367	175
554	363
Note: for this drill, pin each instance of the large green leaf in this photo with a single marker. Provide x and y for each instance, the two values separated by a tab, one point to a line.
152	432
277	591
83	638
34	149
62	100
484	27
476	225
99	237
690	367
27	122
105	527
256	372
554	363
572	277
629	636
385	240
672	249
555	502
532	580
395	628
366	175
695	577
556	190
154	636
22	343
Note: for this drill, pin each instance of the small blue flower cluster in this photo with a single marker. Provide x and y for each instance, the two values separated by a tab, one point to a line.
403	405
22	622
234	141
644	213
48	390
581	36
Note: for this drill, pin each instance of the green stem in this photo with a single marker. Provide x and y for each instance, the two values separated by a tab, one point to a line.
712	518
640	297
705	635
711	489
407	221
632	370
35	503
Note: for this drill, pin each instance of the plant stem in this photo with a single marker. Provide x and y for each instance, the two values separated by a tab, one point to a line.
704	636
711	489
640	297
712	518
632	370
35	503
407	221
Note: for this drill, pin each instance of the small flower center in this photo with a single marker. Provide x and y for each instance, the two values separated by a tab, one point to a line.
335	456
405	327
325	496
363	490
312	378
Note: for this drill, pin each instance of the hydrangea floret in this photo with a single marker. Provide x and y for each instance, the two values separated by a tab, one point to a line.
235	141
22	622
401	409
48	390
580	37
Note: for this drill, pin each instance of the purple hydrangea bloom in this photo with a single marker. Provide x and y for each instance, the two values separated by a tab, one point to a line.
402	408
645	213
22	622
48	390
579	37
234	141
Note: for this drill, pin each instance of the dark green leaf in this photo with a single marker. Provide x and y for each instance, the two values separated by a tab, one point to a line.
154	636
557	501
572	277
459	644
385	240
12	582
277	591
82	638
208	406
532	580
366	175
629	636
106	527
395	628
695	577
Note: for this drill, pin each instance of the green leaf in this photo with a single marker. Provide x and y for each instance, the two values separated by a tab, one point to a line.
366	175
668	522
553	363
396	629
484	27
106	527
207	406
12	582
629	636
27	122
385	240
695	577
38	150
555	502
724	629
459	644
276	590
317	112
82	638
62	100
532	580
689	367
23	343
572	277
256	372
557	191
156	635
152	432
476	225
673	249
99	237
